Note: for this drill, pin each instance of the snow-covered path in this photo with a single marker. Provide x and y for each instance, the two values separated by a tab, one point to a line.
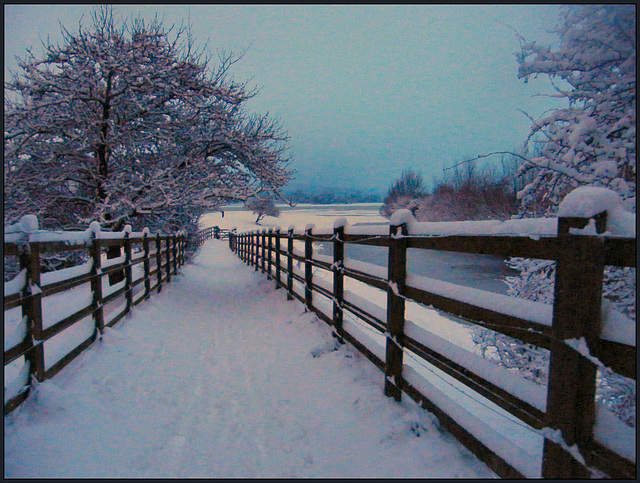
220	376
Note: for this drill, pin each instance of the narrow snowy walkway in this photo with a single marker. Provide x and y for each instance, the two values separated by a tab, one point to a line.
220	376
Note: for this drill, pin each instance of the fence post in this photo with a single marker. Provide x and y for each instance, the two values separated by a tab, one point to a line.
96	284
263	241
290	264
159	261
338	278
256	250
174	243
397	274
33	310
216	233
572	377
167	245
128	286
278	260
308	268
269	252
146	264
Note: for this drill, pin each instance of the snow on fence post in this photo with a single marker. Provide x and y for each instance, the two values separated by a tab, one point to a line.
572	377
308	268
128	285
30	260
278	259
96	282
397	274
338	278
290	264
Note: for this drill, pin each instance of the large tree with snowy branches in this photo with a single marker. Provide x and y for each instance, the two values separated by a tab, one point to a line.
590	142
129	124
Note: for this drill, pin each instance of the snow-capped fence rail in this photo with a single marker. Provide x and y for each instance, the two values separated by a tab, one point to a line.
565	414
80	300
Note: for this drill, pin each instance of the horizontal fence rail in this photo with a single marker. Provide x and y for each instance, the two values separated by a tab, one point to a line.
213	232
564	413
120	271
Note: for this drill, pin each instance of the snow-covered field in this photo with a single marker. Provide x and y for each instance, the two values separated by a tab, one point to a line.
219	376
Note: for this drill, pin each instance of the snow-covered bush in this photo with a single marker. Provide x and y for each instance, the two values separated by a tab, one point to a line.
261	207
590	143
470	193
405	193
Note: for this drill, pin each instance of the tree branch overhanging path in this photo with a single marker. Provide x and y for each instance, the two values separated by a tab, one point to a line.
130	123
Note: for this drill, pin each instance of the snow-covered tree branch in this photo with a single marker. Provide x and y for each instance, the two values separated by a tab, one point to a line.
590	142
128	124
593	140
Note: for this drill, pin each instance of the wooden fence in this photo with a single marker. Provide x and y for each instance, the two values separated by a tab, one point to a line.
80	300
566	414
213	232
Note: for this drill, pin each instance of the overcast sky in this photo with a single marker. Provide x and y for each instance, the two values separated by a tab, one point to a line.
364	92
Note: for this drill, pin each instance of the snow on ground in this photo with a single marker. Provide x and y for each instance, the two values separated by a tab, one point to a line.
219	376
322	216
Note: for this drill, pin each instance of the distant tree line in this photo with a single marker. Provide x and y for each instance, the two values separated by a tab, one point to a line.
329	196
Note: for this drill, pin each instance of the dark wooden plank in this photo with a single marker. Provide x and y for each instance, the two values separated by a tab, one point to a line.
14	402
620	252
16	351
65	323
58	366
524	330
373	321
492	460
621	358
372	280
519	408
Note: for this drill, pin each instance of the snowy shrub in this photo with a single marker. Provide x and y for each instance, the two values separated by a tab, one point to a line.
591	142
405	193
262	207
